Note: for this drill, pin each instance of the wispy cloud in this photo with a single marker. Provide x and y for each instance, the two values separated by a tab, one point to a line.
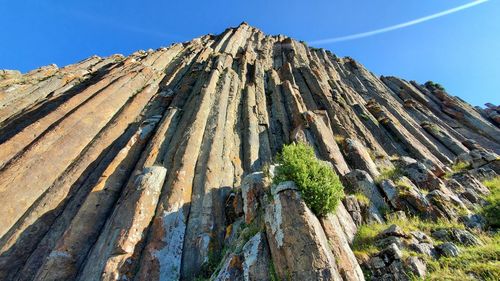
397	26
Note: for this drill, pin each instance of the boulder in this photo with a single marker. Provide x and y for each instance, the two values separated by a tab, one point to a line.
395	231
388	265
417	266
448	249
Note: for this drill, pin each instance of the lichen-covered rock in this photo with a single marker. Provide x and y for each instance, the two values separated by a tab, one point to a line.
461	236
257	261
422	176
252	190
292	228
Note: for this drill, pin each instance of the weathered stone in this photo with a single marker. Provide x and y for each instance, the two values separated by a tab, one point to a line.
393	230
461	236
422	176
464	237
448	249
257	259
421	237
252	190
387	241
358	157
292	228
417	266
362	182
424	248
233	207
112	257
354	209
347	264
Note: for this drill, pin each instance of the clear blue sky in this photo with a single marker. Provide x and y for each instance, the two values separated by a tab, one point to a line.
461	51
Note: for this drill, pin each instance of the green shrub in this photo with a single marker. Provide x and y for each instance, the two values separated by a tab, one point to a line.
432	85
318	184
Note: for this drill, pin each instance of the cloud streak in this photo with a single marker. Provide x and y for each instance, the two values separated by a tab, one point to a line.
397	26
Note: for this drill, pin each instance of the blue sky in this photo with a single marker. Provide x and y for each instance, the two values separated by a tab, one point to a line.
461	51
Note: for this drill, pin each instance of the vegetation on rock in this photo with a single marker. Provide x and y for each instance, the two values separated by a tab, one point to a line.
431	84
318	184
492	210
479	261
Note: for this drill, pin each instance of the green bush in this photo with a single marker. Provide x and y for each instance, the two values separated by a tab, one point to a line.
430	85
318	184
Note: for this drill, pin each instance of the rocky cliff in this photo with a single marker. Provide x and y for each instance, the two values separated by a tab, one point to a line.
150	166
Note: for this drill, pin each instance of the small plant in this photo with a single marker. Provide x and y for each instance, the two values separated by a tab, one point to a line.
272	272
318	184
460	166
266	169
339	139
456	168
360	197
389	174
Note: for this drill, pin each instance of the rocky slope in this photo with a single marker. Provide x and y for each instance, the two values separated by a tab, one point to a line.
149	166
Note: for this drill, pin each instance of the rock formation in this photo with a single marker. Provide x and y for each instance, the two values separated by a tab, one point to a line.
149	166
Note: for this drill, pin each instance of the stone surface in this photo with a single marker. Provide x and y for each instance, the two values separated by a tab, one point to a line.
448	249
256	259
292	228
252	190
148	166
417	266
362	182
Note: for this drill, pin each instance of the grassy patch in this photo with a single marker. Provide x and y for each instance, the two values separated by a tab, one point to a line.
389	174
482	262
456	168
318	184
492	210
475	262
493	183
362	198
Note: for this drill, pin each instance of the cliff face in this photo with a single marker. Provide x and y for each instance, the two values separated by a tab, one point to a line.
146	166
